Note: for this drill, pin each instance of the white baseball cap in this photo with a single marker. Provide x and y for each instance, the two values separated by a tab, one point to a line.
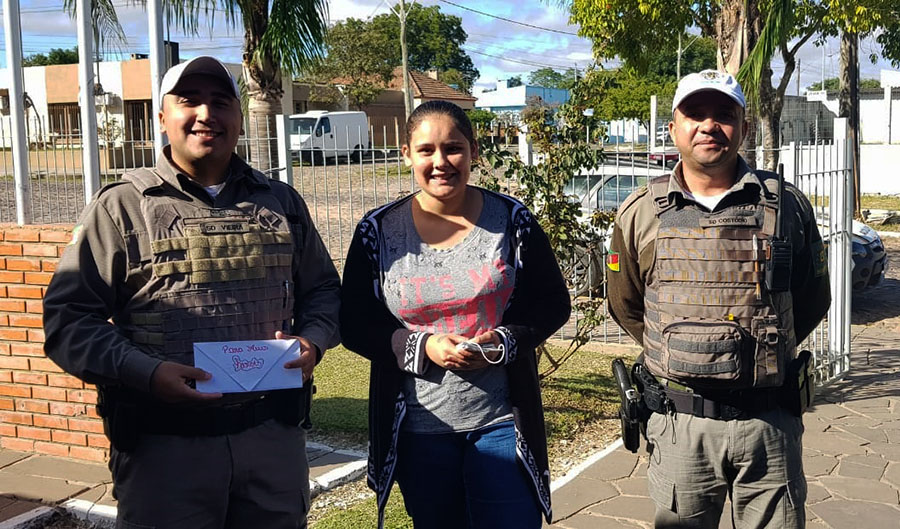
198	65
708	80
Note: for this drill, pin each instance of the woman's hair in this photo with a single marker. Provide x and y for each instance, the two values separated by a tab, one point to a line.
440	108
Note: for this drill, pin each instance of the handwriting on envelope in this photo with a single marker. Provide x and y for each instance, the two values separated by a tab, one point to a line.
251	365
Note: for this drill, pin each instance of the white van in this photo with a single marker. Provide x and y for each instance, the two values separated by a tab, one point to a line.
321	134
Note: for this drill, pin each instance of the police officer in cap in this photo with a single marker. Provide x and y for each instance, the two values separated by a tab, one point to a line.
201	248
719	271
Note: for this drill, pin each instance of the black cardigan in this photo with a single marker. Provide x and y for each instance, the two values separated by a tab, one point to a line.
539	305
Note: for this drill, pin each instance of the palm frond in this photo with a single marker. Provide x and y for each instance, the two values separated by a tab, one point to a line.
108	32
295	34
777	31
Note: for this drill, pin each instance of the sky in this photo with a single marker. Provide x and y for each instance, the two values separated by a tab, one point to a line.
499	49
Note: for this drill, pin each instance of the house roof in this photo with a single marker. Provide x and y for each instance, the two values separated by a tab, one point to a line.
424	87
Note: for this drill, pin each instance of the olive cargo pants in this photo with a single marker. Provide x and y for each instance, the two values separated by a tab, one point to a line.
695	462
256	478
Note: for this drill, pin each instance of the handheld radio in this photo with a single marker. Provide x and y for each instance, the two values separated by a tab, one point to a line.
779	254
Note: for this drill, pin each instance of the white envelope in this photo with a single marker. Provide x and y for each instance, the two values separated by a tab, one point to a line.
248	365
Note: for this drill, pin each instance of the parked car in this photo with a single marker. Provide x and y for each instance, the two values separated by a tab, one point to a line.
870	260
665	158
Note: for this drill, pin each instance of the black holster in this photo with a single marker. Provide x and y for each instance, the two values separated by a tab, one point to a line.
120	417
799	388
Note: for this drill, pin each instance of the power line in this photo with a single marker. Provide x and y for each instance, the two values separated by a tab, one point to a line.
532	26
507	59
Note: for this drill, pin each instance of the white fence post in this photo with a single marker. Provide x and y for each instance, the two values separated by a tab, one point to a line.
840	219
13	29
90	152
286	174
157	69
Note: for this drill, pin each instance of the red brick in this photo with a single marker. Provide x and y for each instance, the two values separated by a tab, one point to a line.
28	349
49	421
26	320
49	265
6	376
26	264
40	392
87	453
11	277
64	381
39	250
2	263
60	251
33	406
36	335
10	249
4	349
71	438
66	409
86	425
2	291
23	235
53	449
12	305
85	396
39	363
16	417
13	390
7	404
34	306
13	334
7	430
13	362
15	443
4	320
100	441
25	377
24	291
59	237
91	411
38	278
38	434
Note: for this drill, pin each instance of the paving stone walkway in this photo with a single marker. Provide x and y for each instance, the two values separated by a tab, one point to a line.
28	481
851	454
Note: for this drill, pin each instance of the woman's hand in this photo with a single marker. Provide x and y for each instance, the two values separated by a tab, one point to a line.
441	349
488	338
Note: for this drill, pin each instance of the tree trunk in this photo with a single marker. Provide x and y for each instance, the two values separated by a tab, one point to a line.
849	105
263	79
737	30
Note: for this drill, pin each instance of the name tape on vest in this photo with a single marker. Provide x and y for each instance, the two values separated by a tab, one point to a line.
211	228
714	222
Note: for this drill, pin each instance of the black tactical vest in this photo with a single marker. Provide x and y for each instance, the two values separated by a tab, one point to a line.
709	321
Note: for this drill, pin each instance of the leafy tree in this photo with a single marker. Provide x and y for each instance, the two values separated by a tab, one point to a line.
698	53
834	83
434	42
546	77
515	81
626	93
455	79
55	56
480	118
358	59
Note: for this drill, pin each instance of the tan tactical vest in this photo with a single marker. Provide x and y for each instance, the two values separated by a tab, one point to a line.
709	321
218	274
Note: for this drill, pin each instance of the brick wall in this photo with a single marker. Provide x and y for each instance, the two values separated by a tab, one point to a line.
42	409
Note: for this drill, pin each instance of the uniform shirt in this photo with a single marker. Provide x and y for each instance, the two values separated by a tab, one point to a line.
107	263
633	241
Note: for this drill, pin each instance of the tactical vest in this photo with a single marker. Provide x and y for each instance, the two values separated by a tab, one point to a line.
709	321
217	274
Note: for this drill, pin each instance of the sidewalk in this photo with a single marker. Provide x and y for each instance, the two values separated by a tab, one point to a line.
30	481
851	455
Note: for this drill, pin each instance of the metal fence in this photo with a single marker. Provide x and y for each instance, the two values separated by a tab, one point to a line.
341	183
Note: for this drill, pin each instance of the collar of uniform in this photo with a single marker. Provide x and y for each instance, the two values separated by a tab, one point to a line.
237	169
744	177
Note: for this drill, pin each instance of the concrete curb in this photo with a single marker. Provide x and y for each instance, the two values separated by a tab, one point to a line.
99	515
884	234
28	519
581	467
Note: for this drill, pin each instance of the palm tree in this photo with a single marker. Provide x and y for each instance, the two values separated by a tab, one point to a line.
280	36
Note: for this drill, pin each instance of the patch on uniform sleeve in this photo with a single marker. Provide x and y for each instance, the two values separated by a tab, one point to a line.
820	259
612	261
76	231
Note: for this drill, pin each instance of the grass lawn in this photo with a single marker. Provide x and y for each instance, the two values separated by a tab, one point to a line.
579	397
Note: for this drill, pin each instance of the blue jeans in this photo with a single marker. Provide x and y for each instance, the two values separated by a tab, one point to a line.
466	480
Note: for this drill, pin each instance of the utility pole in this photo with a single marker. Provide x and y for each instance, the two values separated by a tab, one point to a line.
798	77
678	61
407	94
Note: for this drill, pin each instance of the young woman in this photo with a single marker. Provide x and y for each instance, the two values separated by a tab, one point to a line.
448	291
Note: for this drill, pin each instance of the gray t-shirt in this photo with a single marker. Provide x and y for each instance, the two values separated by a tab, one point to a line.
459	290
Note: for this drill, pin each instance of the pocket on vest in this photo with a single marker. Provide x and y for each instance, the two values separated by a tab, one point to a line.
703	350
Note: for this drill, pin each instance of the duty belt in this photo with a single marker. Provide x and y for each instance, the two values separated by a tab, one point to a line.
670	396
214	420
